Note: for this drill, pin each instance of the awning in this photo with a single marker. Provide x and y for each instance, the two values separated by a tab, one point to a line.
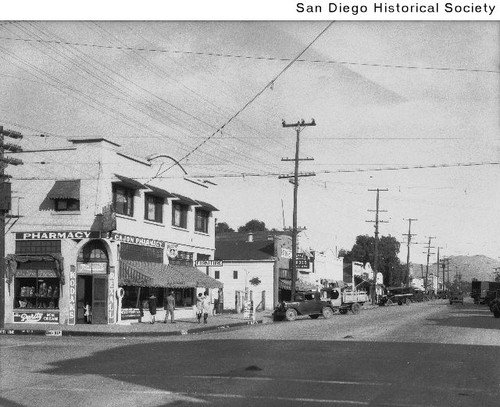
148	274
184	199
67	189
129	182
11	261
207	206
285	284
160	192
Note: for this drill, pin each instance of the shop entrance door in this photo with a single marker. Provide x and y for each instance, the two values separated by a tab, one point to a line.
99	299
83	296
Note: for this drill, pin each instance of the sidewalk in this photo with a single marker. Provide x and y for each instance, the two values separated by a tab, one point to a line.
181	327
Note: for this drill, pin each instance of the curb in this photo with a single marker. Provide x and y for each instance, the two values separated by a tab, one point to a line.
67	333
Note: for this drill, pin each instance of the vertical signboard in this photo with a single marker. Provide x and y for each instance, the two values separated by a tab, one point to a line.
111	295
72	295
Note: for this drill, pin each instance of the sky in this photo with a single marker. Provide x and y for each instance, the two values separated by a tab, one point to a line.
411	107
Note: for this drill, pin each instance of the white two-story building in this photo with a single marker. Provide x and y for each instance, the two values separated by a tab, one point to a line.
95	226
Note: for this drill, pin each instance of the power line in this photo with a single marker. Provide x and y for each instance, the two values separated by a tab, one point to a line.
270	84
256	174
258	58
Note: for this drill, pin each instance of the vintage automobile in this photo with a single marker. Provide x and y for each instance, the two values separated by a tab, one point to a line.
306	303
495	307
456	297
397	295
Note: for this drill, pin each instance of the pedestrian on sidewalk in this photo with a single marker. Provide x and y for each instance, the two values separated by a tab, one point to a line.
207	305
199	306
169	307
152	308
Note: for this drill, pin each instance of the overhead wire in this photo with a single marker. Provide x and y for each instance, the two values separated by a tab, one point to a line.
264	58
254	97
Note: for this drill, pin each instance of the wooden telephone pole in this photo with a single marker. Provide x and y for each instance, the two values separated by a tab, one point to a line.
375	259
299	126
408	235
5	204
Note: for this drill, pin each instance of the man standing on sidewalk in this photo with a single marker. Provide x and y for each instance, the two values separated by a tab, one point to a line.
169	307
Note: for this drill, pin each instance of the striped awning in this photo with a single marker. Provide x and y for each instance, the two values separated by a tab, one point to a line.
65	189
148	274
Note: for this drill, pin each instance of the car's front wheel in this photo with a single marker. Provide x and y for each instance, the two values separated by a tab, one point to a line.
291	314
355	308
327	312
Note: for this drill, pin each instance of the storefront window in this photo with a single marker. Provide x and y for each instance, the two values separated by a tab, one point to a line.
36	288
183	259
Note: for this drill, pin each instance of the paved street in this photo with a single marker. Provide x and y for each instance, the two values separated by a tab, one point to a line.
425	354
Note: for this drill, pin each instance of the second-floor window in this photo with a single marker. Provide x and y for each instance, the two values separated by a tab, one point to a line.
179	215
153	208
201	220
123	200
62	205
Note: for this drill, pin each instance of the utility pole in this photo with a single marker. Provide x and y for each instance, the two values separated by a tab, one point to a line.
377	221
437	265
408	235
443	265
429	247
299	126
5	205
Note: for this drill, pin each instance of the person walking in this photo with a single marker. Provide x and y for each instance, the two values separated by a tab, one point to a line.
169	307
152	308
199	306
207	305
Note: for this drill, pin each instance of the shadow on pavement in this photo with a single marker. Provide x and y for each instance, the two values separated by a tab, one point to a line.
388	372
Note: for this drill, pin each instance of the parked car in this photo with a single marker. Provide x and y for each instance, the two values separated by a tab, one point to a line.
456	298
306	303
495	307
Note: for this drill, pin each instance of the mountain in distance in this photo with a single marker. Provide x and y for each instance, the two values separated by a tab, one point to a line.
480	267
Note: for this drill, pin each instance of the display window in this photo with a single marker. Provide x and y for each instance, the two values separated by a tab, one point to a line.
35	291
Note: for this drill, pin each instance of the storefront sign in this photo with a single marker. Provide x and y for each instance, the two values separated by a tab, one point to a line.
302	261
92	268
36	317
286	253
77	234
141	241
72	295
111	296
209	263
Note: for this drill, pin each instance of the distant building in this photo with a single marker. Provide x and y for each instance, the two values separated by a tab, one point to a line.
258	264
92	229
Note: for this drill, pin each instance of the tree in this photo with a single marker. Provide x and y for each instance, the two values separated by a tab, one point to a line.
223	227
388	261
253	225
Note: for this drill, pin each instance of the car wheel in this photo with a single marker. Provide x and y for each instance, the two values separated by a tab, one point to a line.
355	308
327	312
407	301
314	316
291	314
400	302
